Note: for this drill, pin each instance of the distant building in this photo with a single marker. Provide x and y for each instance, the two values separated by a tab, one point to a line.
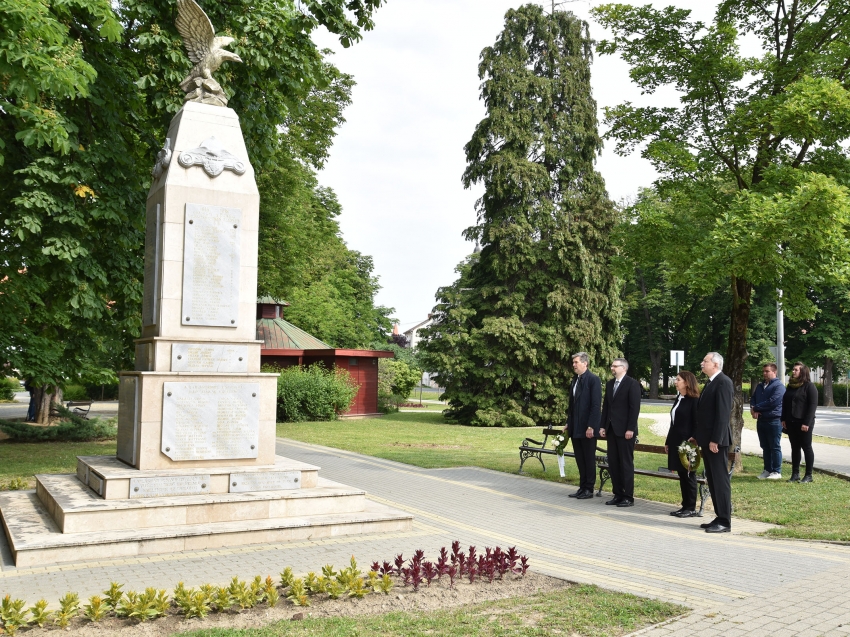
413	333
286	345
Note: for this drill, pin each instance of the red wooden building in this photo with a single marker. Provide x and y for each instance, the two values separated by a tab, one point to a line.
285	345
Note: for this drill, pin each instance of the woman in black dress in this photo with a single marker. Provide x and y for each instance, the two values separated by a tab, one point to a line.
798	419
683	422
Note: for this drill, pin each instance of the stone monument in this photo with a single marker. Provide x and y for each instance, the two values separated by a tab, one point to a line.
195	465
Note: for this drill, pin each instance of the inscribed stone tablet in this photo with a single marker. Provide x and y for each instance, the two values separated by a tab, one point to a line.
210	421
198	357
265	481
128	419
152	256
163	486
211	253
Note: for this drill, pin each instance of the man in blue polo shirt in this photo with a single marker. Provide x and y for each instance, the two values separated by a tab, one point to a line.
766	407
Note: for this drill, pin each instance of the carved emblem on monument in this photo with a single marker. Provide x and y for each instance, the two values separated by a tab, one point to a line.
206	51
213	157
163	159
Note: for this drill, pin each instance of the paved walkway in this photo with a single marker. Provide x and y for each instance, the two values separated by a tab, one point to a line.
832	457
733	581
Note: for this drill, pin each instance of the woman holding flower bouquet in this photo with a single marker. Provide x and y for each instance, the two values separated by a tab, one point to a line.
683	421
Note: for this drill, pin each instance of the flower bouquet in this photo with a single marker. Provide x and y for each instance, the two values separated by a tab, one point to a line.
560	444
690	456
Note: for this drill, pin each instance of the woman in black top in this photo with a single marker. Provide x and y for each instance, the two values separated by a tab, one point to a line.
683	421
798	419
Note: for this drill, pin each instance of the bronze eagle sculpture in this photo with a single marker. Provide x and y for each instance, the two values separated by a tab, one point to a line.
205	50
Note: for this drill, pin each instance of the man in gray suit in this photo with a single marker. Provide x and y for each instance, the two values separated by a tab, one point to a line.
714	435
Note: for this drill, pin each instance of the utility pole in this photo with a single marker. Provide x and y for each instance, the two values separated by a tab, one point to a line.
780	339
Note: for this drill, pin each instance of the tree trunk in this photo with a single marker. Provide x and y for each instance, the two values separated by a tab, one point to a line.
666	382
736	355
45	398
654	354
655	367
828	397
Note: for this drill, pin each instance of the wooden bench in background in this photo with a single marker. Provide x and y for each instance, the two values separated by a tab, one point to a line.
664	472
531	448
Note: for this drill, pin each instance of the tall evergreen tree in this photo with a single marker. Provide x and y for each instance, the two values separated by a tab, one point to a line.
542	287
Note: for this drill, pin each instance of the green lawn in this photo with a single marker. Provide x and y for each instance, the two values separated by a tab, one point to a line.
820	510
24	460
579	610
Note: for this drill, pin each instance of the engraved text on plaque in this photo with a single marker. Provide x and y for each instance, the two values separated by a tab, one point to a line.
211	257
198	357
210	421
264	481
162	486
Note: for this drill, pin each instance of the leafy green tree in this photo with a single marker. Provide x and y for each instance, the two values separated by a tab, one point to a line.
302	257
753	173
87	88
824	341
542	286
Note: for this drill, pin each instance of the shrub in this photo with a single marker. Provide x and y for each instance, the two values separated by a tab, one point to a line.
396	379
839	394
74	392
102	392
72	428
8	387
313	393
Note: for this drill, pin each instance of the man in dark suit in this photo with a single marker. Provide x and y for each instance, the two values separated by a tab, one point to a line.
620	411
583	422
714	435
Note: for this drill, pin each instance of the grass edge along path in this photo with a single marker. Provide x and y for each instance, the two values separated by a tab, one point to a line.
820	510
579	609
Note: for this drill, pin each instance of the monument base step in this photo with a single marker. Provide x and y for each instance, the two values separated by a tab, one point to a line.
77	509
35	539
110	478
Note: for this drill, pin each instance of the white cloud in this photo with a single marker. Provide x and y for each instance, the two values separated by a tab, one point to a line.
397	162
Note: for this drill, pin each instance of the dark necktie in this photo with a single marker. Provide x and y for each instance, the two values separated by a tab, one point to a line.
616	387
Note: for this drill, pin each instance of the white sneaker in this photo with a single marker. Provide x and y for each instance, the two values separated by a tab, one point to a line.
774	476
763	475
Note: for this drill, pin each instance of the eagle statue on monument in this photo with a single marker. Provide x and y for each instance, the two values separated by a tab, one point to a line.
206	51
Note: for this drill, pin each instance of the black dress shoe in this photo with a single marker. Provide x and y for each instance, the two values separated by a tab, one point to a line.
614	501
626	503
576	494
677	511
708	524
585	496
807	478
718	528
684	513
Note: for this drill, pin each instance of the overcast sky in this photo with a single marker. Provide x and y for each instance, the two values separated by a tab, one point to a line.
397	162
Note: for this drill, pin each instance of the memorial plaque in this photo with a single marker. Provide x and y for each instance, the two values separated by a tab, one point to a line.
128	419
163	486
198	357
211	253
265	481
152	258
210	421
